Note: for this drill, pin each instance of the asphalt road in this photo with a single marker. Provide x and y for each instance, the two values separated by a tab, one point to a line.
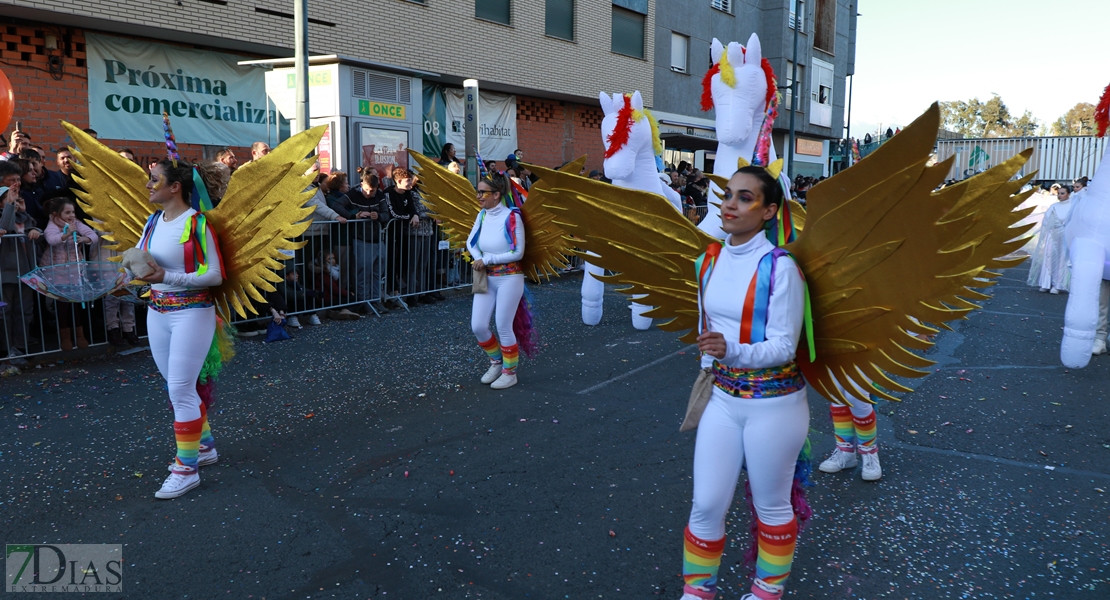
364	459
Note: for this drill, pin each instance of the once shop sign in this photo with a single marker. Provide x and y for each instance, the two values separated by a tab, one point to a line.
210	99
381	109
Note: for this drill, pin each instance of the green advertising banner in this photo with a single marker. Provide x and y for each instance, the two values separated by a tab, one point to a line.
435	119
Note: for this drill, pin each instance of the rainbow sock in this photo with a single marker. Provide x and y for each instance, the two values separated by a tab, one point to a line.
776	553
188	445
511	355
700	562
492	348
865	433
207	443
842	428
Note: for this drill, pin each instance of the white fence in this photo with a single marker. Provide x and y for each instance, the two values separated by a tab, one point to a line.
1054	158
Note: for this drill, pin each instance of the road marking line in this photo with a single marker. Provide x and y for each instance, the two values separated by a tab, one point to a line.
638	369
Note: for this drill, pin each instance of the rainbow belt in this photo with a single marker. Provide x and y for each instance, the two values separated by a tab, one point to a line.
758	383
167	302
512	268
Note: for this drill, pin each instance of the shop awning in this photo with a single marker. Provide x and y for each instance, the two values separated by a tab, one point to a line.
677	135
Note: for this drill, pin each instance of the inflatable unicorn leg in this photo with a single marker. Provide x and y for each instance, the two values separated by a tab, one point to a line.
592	292
1088	260
639	321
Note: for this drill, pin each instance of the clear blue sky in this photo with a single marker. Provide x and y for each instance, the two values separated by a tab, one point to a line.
1044	56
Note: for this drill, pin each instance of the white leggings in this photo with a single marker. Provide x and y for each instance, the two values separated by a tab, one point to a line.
179	342
770	433
504	294
860	408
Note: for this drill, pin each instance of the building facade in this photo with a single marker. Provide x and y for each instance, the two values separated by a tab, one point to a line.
826	58
550	58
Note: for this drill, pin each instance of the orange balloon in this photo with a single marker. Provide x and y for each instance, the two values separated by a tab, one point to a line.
7	102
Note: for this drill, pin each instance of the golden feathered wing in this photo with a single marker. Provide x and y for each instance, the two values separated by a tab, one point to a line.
636	234
262	210
884	253
450	199
260	214
113	189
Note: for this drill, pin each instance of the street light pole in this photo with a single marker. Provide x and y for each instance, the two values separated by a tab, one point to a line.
793	94
300	62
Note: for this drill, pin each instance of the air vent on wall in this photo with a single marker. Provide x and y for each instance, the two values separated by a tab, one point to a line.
405	95
358	83
383	87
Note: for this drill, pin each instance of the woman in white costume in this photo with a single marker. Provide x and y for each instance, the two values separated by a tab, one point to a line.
496	245
752	298
181	319
1049	269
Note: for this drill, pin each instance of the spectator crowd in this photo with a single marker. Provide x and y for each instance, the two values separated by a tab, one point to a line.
372	248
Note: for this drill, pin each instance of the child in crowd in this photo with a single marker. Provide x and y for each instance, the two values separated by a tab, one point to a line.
69	240
17	257
327	281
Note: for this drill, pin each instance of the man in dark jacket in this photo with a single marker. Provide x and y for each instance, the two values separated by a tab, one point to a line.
367	204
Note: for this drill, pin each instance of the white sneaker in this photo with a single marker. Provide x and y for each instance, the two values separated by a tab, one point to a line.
839	461
492	374
313	319
177	485
1099	347
871	469
1044	289
504	381
1054	291
294	322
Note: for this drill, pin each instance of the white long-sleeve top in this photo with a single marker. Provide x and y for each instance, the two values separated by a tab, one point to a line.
492	245
724	303
169	253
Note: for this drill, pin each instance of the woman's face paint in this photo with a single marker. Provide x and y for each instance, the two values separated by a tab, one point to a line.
158	186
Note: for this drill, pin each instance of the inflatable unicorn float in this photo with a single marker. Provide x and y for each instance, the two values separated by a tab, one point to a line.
1088	238
633	157
741	87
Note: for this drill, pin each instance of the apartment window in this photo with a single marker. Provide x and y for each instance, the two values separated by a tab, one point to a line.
788	98
722	5
628	30
824	25
680	49
801	20
559	19
493	10
821	94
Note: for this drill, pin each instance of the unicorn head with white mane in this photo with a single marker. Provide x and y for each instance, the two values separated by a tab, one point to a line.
632	149
741	87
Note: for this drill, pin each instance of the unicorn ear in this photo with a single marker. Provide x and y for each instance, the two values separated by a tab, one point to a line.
716	50
606	103
755	51
736	55
637	101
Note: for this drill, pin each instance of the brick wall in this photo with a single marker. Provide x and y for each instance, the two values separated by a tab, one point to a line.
442	36
551	132
52	85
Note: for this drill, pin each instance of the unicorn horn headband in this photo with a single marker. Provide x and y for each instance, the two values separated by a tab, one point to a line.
199	199
774	169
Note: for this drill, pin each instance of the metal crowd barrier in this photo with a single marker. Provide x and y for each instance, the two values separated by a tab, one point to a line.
404	263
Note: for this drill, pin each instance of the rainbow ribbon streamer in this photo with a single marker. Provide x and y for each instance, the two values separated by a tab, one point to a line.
199	199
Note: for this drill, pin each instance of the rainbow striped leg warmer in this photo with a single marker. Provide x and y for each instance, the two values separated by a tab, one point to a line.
700	562
511	356
207	443
843	428
188	435
492	348
865	433
776	554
